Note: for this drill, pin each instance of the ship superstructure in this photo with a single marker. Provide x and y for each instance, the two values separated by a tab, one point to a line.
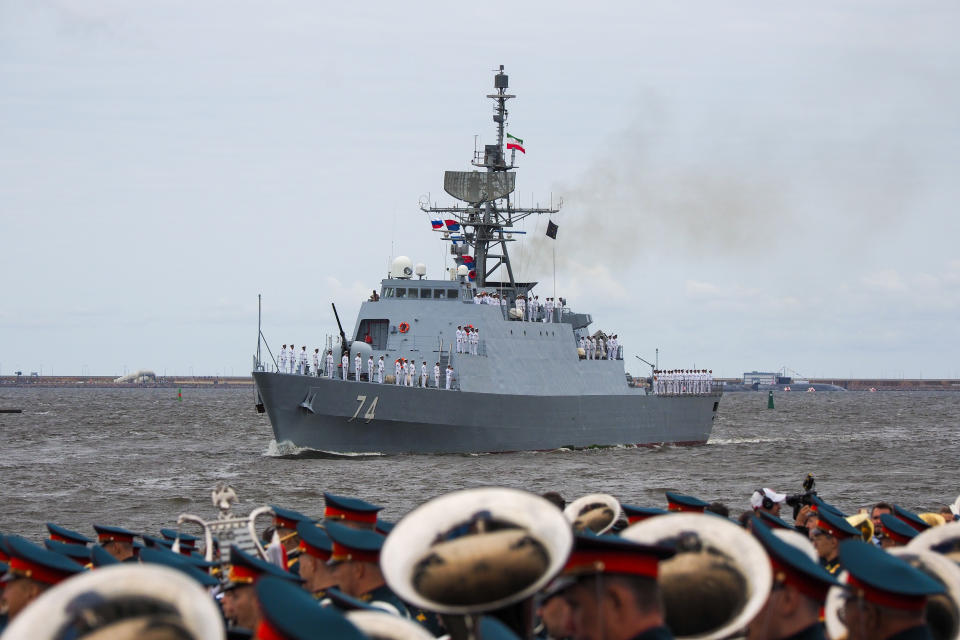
523	385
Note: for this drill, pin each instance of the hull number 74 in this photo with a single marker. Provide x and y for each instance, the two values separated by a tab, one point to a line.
370	413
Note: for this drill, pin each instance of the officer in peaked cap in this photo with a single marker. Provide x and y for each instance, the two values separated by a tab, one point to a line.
773	522
4	567
680	502
100	557
384	528
315	551
355	561
118	542
894	531
31	570
62	534
239	600
826	537
286	521
910	518
79	553
800	585
351	512
886	596
153	541
819	505
167	558
290	613
638	514
613	590
188	543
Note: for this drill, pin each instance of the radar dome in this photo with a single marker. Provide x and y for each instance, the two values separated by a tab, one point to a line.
420	269
402	267
462	270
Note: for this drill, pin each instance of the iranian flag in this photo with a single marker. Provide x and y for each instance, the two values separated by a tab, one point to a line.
517	143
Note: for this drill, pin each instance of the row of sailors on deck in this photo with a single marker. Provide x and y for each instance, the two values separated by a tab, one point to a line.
406	374
683	381
596	348
405	370
532	310
468	339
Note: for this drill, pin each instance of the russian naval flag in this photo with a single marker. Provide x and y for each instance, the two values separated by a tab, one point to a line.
436	224
452	225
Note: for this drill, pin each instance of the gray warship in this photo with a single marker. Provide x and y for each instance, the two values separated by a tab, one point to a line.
529	386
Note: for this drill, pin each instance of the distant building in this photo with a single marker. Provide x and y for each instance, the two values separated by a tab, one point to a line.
759	377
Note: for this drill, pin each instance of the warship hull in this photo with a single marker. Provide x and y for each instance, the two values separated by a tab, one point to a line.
349	418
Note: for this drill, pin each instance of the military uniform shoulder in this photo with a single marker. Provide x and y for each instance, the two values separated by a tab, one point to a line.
657	633
813	632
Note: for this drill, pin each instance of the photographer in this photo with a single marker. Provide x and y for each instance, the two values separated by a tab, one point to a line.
767	500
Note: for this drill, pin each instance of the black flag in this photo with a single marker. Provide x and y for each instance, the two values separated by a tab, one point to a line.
552	229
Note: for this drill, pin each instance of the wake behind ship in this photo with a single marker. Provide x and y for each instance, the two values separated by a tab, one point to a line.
518	381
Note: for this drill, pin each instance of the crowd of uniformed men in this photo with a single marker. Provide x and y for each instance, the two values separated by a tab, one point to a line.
598	570
405	371
683	381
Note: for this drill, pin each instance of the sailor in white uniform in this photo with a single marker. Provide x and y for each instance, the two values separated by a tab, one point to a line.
466	340
283	359
357	367
397	368
292	358
329	364
316	361
548	310
474	341
521	307
449	376
302	360
411	372
423	375
436	375
380	370
370	377
345	366
583	345
459	339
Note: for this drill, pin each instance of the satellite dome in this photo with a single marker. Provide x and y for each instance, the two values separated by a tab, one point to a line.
402	267
420	269
462	270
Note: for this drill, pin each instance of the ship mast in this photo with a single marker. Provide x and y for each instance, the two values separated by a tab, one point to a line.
487	222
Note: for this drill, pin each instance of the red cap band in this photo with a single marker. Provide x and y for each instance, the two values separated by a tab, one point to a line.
266	631
612	562
886	598
323	554
114	537
673	506
814	589
342	553
354	516
26	569
241	574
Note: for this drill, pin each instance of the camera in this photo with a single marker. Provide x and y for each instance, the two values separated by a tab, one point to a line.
799	500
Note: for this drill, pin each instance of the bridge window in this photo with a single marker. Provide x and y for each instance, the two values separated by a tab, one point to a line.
388	292
437	294
453	294
401	292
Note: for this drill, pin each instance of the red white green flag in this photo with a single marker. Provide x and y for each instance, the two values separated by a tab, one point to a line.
516	144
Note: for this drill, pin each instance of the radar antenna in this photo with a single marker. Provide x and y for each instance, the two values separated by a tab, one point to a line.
486	223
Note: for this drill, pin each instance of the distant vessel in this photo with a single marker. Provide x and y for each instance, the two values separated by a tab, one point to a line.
527	388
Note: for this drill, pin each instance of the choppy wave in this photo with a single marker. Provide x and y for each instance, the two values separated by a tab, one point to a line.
288	450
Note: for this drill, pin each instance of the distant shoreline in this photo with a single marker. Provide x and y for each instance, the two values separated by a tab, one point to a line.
234	382
108	382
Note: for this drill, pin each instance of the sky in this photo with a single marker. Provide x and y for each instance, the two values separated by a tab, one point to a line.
746	185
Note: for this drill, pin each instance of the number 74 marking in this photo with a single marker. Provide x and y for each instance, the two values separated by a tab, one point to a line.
369	415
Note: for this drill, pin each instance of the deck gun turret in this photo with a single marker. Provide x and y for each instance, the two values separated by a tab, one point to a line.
344	347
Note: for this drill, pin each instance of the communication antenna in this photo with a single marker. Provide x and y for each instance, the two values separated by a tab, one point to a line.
487	221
